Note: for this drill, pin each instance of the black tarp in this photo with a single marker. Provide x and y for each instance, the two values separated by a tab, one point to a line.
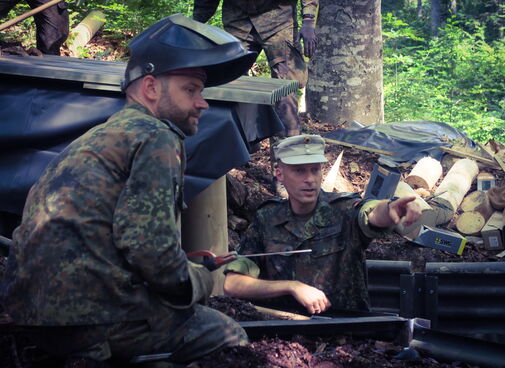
39	117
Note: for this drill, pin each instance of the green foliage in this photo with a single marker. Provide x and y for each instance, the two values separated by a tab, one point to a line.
23	32
132	16
457	78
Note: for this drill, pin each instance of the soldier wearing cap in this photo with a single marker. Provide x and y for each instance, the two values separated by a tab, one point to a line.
96	268
337	227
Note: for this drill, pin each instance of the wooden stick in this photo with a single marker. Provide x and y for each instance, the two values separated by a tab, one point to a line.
357	146
21	17
485	150
500	162
478	158
281	314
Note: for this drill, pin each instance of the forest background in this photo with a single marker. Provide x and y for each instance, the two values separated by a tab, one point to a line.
447	67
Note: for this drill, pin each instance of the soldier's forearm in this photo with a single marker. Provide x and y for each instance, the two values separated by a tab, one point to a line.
244	286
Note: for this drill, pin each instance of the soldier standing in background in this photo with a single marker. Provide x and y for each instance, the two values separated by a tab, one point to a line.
52	24
96	268
271	25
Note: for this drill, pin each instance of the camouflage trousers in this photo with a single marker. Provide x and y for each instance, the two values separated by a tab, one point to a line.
52	24
202	331
286	62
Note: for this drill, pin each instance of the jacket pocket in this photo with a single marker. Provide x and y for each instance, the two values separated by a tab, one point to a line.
328	241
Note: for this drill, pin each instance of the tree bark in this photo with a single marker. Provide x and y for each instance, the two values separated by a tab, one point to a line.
477	210
497	197
436	17
345	74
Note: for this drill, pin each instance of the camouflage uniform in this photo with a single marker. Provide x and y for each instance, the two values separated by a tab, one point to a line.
338	234
99	247
272	26
52	24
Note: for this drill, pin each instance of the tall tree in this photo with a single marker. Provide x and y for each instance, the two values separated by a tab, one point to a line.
345	75
436	16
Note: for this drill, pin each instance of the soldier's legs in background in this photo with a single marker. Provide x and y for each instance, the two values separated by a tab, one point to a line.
286	62
52	26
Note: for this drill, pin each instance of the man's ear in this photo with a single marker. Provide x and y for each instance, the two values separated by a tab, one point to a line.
278	173
151	87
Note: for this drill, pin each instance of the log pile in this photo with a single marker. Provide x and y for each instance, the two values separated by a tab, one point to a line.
453	198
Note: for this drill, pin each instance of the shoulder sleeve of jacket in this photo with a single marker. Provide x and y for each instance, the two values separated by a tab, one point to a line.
252	242
244	266
369	230
271	201
145	228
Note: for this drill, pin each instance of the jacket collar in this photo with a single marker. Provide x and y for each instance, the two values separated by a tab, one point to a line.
320	218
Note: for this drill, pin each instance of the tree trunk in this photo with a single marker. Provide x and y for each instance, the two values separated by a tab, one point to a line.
345	74
436	17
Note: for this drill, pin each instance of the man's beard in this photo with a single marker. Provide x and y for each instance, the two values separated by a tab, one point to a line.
182	119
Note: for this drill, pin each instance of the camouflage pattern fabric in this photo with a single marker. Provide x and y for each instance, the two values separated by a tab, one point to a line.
286	62
338	234
52	24
271	26
268	17
202	331
98	238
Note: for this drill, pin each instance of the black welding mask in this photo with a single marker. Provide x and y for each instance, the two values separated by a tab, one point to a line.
178	42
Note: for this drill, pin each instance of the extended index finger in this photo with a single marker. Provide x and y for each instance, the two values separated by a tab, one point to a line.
404	200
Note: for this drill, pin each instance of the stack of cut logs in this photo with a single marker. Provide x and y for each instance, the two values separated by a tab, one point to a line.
440	206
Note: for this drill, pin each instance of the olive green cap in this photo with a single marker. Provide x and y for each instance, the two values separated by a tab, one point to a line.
301	149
